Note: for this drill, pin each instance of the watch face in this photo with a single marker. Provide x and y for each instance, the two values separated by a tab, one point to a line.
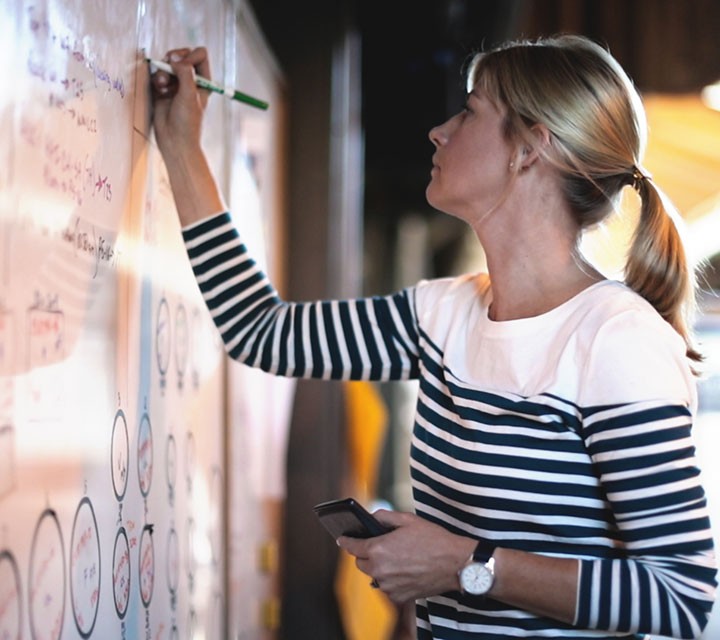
476	579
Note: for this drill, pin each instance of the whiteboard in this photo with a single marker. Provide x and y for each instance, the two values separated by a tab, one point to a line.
114	387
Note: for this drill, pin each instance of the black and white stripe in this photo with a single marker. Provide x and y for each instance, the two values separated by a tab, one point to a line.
615	486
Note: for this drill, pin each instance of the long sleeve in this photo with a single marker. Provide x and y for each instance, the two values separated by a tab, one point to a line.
364	339
663	579
660	575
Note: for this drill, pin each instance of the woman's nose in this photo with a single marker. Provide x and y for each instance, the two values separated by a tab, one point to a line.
436	135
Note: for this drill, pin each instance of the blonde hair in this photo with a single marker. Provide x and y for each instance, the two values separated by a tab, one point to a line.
596	119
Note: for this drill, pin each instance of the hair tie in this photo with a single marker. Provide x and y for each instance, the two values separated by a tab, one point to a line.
639	174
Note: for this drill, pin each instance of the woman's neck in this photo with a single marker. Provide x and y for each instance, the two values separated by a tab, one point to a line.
533	259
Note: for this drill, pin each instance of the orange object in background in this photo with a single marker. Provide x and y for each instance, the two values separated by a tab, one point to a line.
366	612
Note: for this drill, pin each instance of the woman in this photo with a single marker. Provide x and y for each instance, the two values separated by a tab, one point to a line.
554	478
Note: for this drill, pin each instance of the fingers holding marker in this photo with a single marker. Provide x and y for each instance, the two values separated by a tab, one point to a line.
197	58
164	84
192	68
196	63
178	73
178	104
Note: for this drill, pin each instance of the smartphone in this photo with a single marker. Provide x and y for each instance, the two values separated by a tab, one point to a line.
347	517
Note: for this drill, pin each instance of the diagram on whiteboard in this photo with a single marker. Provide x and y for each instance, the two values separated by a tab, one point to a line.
48	578
182	343
121	576
85	568
45	352
163	340
113	379
145	455
146	563
120	455
173	566
10	599
171	467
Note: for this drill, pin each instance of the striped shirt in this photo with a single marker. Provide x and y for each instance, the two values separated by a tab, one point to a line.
567	434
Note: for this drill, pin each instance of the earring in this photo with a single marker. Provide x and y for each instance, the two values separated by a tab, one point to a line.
512	164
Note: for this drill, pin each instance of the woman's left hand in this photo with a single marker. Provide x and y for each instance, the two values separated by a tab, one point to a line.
415	560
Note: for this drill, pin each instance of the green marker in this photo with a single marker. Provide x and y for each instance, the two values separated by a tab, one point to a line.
204	83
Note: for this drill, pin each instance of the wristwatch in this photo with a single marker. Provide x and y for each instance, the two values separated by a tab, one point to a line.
478	573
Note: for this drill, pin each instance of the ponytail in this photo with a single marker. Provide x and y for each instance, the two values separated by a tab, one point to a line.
657	266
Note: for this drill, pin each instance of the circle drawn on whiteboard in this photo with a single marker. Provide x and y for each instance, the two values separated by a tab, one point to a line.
120	455
171	466
85	568
190	549
145	455
173	561
192	623
10	598
189	460
47	578
121	573
182	342
195	347
147	566
162	338
215	498
216	618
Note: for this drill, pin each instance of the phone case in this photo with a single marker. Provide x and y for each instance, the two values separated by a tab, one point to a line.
347	517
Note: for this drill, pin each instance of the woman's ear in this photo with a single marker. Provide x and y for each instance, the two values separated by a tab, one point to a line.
532	148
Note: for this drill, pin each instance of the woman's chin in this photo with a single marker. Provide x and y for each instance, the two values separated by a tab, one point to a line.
431	197
435	202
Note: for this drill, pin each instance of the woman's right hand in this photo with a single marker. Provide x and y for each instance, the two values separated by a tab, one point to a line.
178	104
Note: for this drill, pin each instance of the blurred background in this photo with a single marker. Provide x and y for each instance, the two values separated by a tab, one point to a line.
365	82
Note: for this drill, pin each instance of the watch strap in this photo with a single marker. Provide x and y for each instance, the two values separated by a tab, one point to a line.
483	551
